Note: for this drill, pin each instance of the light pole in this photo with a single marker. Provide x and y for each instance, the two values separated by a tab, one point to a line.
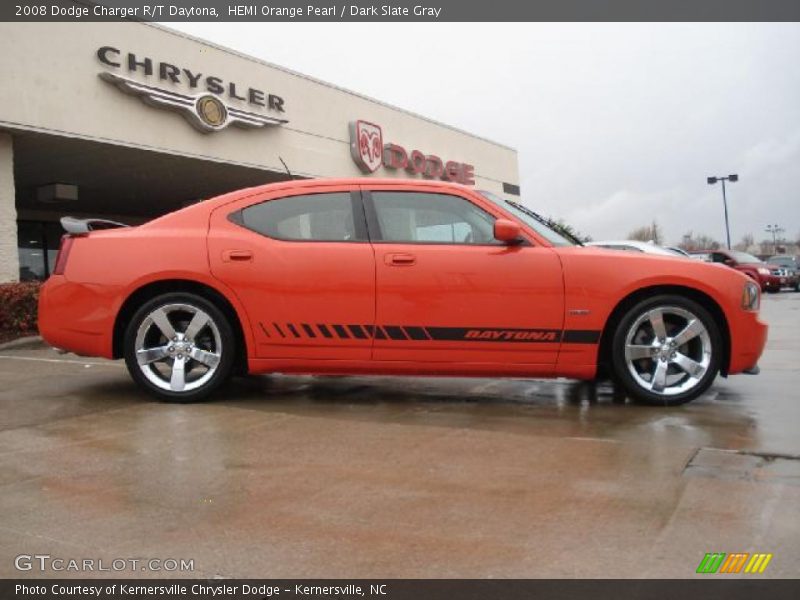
733	179
774	230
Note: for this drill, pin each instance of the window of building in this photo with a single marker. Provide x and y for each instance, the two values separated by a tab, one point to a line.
418	217
37	247
314	217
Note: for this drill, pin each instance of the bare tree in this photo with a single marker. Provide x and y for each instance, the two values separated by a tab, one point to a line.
568	230
647	233
745	243
692	242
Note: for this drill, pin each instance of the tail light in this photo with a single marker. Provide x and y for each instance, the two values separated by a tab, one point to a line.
63	254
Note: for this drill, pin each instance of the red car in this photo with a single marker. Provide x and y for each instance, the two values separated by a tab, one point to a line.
389	277
769	277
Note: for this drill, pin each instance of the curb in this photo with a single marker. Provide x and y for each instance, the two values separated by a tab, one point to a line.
24	343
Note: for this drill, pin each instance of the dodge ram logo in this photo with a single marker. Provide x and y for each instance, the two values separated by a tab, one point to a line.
366	145
369	152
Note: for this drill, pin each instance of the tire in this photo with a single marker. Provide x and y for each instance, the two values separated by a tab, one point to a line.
206	354
692	361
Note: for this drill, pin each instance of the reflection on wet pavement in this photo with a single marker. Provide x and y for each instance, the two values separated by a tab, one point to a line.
400	477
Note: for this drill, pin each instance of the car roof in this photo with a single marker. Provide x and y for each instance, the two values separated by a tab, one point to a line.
423	183
620	242
322	182
211	204
644	246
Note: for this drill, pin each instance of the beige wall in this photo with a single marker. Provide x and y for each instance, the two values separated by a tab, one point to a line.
9	260
50	83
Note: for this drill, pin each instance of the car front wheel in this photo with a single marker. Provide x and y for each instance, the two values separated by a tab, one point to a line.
179	347
666	350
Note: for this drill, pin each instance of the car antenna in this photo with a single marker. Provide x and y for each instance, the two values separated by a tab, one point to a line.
285	166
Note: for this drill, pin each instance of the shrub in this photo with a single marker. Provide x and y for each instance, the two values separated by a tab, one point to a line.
18	302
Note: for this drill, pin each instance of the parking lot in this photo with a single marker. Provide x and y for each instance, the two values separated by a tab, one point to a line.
382	477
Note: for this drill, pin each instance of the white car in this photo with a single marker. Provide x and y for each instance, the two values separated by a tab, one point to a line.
635	246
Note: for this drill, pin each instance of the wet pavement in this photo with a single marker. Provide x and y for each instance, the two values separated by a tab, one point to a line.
384	477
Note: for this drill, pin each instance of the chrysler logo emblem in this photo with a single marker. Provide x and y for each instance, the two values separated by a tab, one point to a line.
204	111
211	110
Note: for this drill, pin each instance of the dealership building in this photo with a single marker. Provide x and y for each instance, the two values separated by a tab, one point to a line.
127	121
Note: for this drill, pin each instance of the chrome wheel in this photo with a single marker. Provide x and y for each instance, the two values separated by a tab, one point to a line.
178	347
668	350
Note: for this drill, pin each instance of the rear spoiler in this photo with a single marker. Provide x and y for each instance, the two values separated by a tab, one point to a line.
75	226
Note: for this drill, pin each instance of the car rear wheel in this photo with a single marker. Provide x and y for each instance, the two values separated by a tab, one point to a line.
179	347
666	350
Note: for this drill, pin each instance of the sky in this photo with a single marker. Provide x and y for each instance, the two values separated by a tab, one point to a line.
616	125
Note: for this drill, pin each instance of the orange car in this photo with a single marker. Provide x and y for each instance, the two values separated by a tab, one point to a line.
359	276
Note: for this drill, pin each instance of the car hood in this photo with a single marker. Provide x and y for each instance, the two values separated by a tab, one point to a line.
639	266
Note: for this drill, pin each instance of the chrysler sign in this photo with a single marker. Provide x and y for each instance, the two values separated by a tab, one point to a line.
369	153
202	103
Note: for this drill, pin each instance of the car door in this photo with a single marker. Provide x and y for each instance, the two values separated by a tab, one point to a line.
302	266
448	292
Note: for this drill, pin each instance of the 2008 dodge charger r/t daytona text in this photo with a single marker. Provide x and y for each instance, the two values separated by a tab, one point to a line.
369	276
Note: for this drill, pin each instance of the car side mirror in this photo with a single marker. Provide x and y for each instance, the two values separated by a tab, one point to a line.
507	231
729	262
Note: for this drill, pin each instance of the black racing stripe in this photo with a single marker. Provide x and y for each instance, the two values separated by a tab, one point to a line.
309	331
380	334
370	329
279	330
264	329
325	331
341	331
415	333
447	334
581	336
293	330
357	332
395	332
488	334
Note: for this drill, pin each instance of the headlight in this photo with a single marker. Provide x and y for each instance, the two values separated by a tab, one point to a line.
750	296
763	271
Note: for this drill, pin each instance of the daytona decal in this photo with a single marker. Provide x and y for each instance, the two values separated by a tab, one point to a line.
417	333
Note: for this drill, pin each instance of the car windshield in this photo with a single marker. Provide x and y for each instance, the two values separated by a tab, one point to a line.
744	257
540	224
783	261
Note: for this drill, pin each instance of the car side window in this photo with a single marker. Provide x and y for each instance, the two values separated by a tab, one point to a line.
312	217
420	217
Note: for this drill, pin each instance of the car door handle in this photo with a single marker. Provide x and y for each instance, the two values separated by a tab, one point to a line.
400	260
237	255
